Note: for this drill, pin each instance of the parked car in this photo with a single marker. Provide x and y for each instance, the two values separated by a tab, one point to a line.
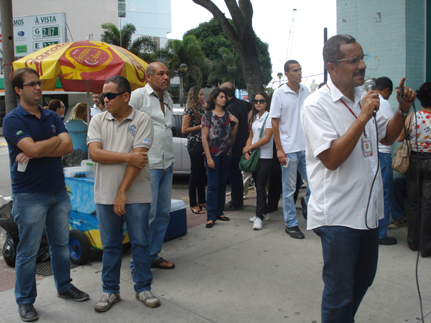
181	155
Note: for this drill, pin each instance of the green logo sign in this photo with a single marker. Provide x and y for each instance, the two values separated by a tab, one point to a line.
21	49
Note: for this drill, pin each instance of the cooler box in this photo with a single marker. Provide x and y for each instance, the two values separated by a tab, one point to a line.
178	223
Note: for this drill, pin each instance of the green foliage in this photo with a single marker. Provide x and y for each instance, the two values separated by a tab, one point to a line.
212	40
189	52
143	47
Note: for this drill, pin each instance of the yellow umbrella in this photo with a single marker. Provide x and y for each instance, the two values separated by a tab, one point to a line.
84	66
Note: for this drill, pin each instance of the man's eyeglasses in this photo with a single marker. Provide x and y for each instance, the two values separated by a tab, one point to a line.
33	84
259	101
353	60
111	96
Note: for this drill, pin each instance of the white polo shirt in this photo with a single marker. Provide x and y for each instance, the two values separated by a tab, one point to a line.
267	149
161	154
386	109
286	105
135	131
339	197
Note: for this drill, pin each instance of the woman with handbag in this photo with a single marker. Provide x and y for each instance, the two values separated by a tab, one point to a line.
191	127
219	129
260	142
419	175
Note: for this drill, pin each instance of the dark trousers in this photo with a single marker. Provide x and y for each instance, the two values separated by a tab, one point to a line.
197	177
260	178
274	186
419	203
235	180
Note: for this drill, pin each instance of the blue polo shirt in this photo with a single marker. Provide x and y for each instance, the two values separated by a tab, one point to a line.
42	174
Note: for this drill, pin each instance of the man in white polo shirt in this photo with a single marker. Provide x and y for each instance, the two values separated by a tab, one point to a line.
118	141
289	140
154	100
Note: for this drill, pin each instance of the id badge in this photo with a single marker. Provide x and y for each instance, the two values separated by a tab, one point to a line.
366	147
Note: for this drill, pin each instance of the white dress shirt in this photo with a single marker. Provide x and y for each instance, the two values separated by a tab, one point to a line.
286	105
386	109
339	197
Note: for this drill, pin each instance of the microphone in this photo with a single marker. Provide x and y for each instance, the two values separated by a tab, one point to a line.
369	85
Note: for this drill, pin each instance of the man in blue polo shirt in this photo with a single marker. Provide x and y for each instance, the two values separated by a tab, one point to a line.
37	139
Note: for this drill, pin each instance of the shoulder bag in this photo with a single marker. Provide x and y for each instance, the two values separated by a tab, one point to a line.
252	164
401	160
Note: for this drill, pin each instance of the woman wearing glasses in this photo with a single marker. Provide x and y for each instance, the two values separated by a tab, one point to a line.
192	128
219	129
262	140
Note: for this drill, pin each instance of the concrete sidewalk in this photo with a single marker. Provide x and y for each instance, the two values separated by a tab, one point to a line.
231	273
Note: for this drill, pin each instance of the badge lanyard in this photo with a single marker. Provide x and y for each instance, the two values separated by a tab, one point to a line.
366	142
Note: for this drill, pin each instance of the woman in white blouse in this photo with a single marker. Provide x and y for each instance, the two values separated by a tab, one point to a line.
264	143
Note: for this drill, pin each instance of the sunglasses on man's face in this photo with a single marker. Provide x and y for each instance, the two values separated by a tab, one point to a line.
259	101
111	96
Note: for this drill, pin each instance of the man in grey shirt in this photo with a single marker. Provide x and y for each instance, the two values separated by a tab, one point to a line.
118	141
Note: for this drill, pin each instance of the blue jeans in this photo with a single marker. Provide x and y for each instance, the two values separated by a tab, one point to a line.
387	177
399	195
111	234
161	189
350	264
296	163
216	189
33	212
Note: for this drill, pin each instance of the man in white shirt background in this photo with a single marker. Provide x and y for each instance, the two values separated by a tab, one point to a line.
384	88
289	140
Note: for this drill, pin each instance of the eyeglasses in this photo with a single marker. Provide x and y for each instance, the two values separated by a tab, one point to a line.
259	101
111	96
353	61
33	84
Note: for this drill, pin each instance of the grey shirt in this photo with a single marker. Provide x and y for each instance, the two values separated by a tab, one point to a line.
135	131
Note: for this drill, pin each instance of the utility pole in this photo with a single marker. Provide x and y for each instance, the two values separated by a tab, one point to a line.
8	52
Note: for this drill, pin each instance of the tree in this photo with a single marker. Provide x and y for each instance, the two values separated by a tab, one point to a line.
242	37
226	69
143	46
189	52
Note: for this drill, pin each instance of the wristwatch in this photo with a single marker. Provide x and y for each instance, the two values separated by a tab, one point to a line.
404	114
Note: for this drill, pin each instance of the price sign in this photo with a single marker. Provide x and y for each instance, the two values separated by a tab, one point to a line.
49	32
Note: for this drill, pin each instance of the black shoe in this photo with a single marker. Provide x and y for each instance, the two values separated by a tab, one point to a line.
209	225
74	294
230	207
304	208
294	232
387	241
27	312
223	218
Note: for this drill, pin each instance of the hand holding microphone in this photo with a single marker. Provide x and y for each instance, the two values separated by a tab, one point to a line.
371	100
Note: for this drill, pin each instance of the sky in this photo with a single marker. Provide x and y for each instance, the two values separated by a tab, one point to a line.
271	23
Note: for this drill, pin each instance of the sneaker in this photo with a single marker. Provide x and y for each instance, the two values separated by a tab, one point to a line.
27	312
230	207
148	298
74	294
294	232
397	224
387	241
265	218
257	224
304	208
106	301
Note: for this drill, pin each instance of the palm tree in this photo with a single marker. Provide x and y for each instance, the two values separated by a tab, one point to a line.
143	46
186	51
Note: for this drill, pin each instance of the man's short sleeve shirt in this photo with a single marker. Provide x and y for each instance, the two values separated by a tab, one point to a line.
42	174
135	131
339	197
161	155
286	105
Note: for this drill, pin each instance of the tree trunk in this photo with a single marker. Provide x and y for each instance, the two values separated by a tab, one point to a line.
242	38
